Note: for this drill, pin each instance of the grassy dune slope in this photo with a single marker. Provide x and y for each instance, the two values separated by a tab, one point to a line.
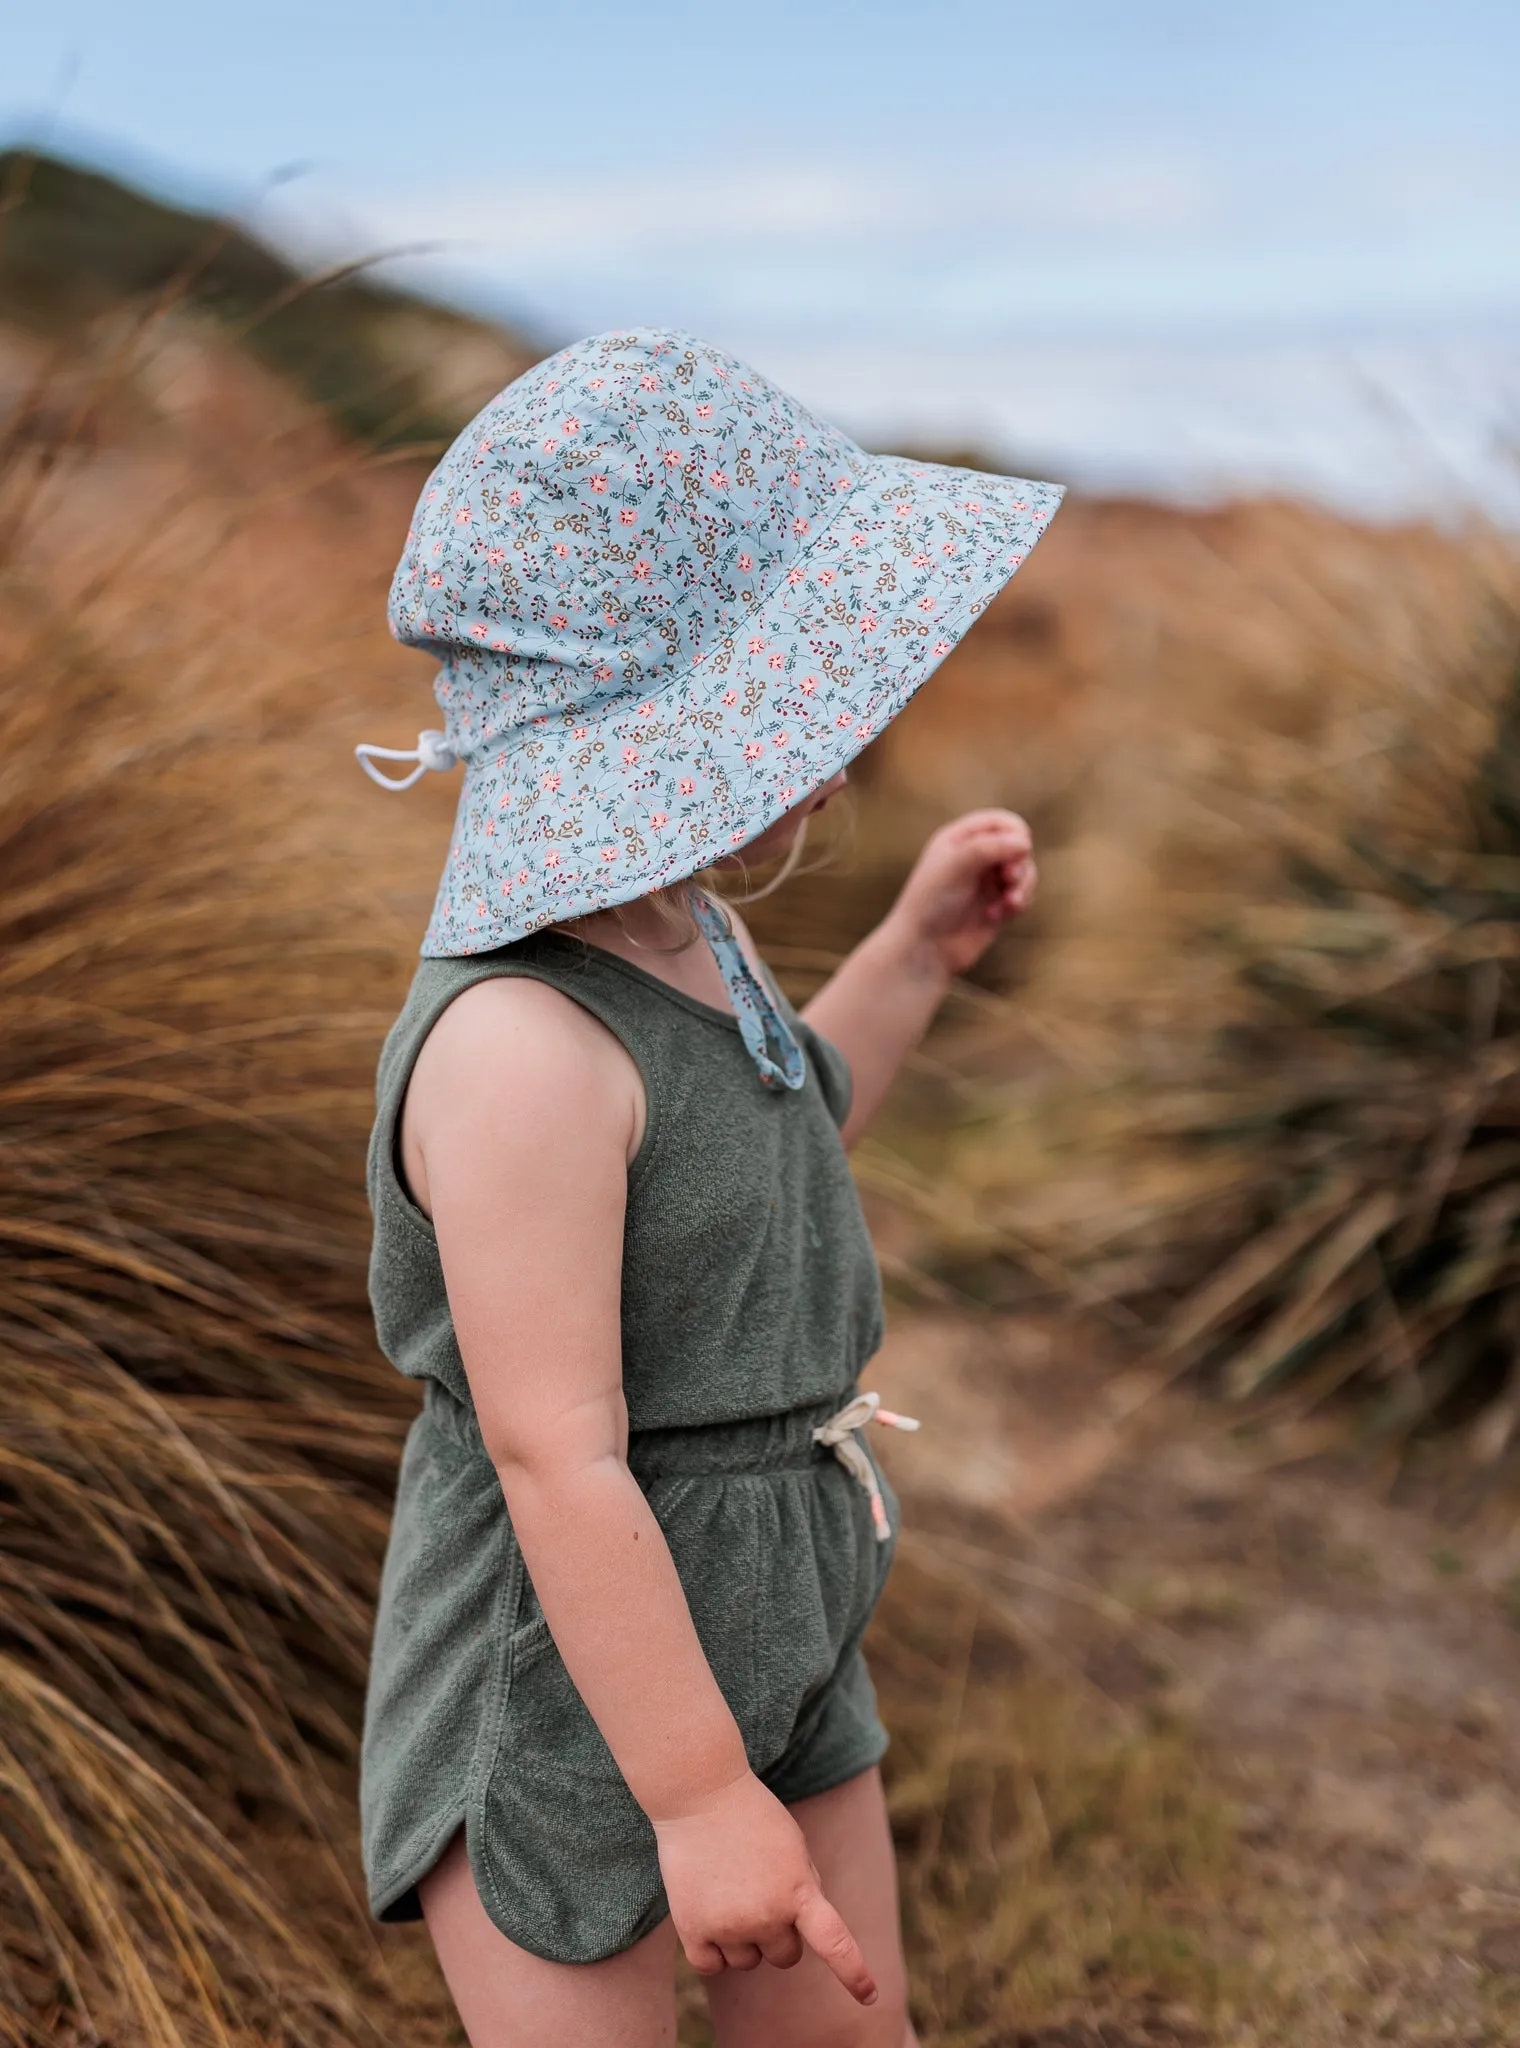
77	248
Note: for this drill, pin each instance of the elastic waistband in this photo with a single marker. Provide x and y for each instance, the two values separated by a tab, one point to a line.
762	1443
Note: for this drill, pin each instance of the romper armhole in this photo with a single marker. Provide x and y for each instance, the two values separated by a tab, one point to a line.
397	1069
835	1079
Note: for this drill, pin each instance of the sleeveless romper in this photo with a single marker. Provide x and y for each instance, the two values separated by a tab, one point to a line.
750	1301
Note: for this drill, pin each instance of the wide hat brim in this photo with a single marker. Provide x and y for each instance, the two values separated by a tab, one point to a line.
608	802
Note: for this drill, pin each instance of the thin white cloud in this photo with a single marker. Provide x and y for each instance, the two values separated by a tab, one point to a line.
803	205
976	244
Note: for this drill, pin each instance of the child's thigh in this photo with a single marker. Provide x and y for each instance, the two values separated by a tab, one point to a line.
851	1844
508	1998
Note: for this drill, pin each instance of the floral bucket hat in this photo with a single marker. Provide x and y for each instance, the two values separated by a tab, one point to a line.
668	602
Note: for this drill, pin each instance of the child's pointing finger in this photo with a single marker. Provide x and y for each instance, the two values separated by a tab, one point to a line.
829	1939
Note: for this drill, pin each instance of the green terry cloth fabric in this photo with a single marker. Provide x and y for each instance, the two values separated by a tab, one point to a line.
751	1300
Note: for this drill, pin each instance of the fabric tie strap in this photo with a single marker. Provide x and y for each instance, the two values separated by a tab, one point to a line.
838	1435
761	1024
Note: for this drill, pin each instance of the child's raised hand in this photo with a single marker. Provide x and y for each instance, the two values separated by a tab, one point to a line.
971	878
743	1890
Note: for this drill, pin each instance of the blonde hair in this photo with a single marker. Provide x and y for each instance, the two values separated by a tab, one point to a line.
672	906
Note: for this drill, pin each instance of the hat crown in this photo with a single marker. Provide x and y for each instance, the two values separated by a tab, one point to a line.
605	522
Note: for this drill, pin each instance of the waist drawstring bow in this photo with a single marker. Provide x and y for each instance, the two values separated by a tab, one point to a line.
838	1435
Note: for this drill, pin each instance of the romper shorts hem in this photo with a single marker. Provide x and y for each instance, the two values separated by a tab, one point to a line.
782	1569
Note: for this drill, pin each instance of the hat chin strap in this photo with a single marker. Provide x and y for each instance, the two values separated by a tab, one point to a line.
761	1024
432	751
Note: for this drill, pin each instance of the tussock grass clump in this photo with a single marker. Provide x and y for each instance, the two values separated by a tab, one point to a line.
1313	1182
196	1442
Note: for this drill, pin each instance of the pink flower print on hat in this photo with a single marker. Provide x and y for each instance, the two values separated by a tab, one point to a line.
530	577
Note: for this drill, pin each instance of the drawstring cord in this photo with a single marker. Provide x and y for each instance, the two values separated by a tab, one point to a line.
838	1435
431	751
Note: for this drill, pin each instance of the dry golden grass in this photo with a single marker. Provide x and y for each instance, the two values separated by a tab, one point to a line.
197	1443
1286	1151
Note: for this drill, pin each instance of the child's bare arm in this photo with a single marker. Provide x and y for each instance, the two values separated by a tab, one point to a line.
521	1118
971	877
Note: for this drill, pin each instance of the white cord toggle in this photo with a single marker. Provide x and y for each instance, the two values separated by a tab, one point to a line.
431	751
838	1435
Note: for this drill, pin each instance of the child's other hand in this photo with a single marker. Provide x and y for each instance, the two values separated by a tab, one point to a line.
971	878
743	1889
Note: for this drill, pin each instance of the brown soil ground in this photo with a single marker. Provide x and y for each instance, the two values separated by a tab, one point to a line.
1345	1659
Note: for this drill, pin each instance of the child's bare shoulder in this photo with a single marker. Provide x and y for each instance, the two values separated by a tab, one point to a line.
516	1033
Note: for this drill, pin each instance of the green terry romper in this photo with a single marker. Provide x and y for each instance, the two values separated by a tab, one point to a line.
750	1302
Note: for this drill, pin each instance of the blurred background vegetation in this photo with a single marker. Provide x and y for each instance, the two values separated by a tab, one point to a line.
1239	1102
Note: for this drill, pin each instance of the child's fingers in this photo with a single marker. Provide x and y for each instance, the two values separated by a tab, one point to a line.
705	1957
976	824
832	1942
783	1951
741	1955
999	833
1007	887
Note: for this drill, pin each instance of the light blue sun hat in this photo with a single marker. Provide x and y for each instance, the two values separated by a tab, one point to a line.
668	603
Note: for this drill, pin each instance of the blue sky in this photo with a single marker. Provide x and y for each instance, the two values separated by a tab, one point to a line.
805	177
1096	166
